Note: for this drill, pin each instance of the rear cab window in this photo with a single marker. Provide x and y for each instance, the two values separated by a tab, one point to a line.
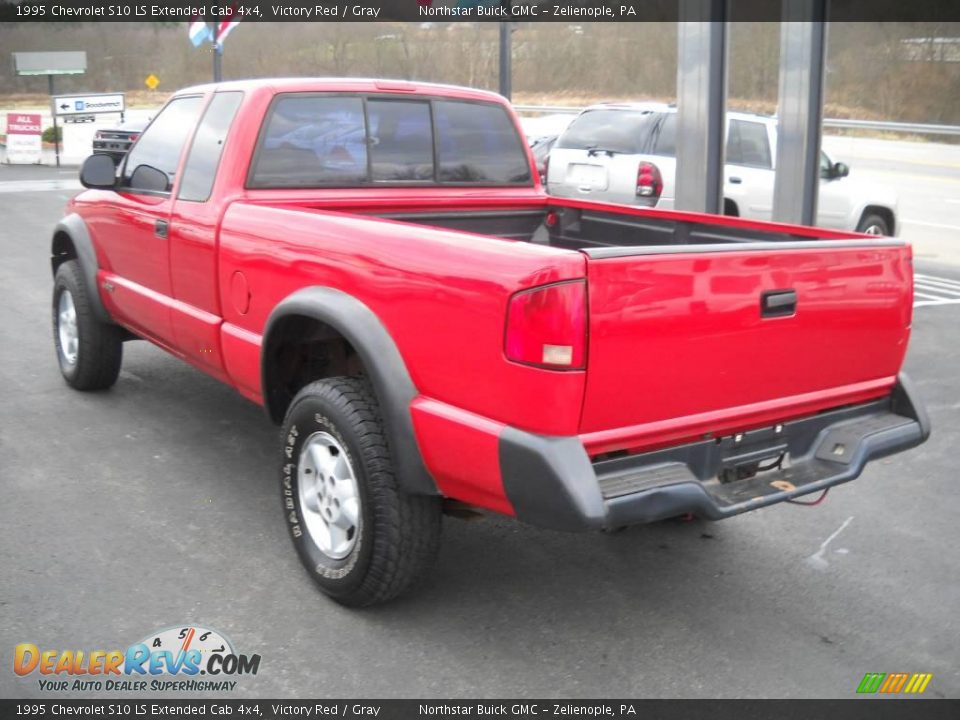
316	140
615	130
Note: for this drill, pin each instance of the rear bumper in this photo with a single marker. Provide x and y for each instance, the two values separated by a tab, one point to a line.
551	481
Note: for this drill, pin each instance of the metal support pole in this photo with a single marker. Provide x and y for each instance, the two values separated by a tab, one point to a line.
56	132
701	105
217	55
803	47
506	55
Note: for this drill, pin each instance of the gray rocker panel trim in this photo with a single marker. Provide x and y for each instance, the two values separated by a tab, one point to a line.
76	229
381	359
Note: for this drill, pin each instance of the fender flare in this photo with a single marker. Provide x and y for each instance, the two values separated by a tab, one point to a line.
75	228
382	361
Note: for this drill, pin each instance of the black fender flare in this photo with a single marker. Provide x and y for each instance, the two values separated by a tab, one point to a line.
382	361
75	228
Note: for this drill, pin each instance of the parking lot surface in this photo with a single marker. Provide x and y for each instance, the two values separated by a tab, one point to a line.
155	504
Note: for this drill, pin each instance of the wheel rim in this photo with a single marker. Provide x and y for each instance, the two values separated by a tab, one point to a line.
67	328
329	495
874	230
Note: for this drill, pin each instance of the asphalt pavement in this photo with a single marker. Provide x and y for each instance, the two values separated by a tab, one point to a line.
155	504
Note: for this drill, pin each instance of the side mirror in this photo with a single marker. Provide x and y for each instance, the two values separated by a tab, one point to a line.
98	173
841	169
147	177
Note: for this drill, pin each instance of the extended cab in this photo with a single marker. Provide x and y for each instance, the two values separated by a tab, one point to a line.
376	264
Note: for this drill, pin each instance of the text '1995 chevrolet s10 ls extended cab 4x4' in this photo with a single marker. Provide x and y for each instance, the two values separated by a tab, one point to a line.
377	264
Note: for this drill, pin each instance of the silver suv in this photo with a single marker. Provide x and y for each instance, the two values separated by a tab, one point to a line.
626	153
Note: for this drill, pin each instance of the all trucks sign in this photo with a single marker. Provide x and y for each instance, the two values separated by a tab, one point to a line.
23	138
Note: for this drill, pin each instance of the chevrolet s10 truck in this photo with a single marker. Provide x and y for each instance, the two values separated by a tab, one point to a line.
377	264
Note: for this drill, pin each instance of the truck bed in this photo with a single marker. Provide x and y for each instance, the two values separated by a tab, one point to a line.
575	225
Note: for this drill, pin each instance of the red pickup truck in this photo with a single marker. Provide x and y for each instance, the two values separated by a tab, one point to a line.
377	264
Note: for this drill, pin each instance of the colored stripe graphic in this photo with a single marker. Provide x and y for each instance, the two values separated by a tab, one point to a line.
871	682
918	683
893	683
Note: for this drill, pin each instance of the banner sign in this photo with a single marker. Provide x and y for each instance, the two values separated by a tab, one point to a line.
24	131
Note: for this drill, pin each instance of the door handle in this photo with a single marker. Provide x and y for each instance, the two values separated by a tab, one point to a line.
735	180
778	303
161	228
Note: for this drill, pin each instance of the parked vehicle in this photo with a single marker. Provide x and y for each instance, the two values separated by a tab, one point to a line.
541	148
626	153
116	141
431	330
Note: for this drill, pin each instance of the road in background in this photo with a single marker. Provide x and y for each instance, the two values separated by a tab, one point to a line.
156	503
926	177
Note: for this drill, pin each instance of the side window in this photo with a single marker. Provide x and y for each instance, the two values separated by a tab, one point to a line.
753	144
733	154
312	141
825	165
160	146
477	143
666	143
401	140
204	158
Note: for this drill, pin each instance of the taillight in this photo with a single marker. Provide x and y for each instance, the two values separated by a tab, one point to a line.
98	136
133	138
547	326
649	181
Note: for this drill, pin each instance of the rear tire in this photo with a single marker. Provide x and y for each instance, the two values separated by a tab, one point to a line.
873	224
89	351
360	537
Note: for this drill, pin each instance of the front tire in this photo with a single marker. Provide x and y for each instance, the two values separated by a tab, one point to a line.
89	351
359	536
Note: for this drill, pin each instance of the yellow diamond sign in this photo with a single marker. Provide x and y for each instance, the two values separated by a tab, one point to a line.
152	81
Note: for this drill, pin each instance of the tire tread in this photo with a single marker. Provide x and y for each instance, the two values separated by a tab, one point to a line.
406	527
100	352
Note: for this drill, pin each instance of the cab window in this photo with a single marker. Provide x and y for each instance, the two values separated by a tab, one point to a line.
151	164
748	144
204	158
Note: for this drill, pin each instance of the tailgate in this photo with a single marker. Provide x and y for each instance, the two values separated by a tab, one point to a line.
712	339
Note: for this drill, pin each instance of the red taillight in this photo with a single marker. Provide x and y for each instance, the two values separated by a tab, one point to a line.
98	136
649	181
133	138
547	326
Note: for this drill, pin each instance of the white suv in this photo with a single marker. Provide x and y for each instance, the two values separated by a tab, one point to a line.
626	153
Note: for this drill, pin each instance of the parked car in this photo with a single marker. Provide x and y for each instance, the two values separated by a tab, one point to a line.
431	330
116	141
626	153
541	148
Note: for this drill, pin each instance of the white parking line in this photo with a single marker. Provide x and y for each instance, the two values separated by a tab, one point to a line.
935	290
15	186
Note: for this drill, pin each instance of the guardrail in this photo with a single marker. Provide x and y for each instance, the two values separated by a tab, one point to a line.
875	125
